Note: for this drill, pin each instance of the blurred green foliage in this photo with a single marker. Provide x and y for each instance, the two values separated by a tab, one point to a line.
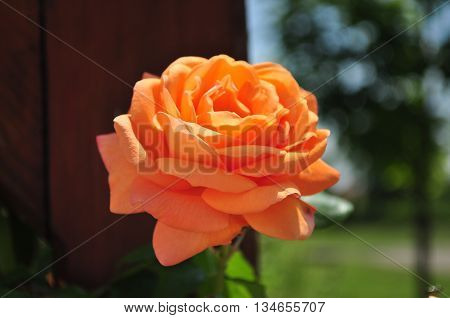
379	98
380	70
26	271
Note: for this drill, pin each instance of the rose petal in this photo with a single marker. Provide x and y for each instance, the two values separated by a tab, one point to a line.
121	173
224	97
200	175
183	210
211	137
183	144
173	80
190	61
236	157
252	201
290	219
215	69
131	148
168	103
316	178
291	163
287	87
146	100
311	100
262	98
187	112
173	246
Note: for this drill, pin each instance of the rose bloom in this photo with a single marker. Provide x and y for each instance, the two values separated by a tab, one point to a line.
215	145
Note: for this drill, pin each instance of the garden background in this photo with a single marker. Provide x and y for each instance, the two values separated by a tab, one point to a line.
380	70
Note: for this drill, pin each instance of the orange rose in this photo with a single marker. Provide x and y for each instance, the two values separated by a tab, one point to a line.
213	146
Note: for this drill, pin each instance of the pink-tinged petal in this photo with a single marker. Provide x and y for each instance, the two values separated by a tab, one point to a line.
253	201
148	75
121	174
131	148
173	246
184	210
200	175
290	219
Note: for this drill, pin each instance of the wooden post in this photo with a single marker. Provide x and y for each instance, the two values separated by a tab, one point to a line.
22	115
54	101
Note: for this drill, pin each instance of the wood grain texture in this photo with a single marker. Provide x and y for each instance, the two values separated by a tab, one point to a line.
22	187
127	39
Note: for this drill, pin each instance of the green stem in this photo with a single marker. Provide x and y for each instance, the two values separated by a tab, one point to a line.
221	267
224	254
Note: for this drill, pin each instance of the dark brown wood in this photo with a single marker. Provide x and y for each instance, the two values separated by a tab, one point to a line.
127	38
22	182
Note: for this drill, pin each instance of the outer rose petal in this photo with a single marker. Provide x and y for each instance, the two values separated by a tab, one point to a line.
184	210
173	246
311	100
252	201
199	175
146	100
290	219
130	145
316	178
164	180
121	174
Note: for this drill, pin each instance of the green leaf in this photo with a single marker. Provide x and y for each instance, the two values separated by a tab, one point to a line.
239	268
209	263
238	288
241	280
330	208
140	275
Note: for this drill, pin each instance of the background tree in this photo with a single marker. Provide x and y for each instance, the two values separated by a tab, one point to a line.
385	102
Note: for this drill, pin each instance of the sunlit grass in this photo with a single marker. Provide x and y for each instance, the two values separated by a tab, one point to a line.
335	264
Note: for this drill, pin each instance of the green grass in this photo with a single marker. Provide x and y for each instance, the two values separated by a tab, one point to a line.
335	264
